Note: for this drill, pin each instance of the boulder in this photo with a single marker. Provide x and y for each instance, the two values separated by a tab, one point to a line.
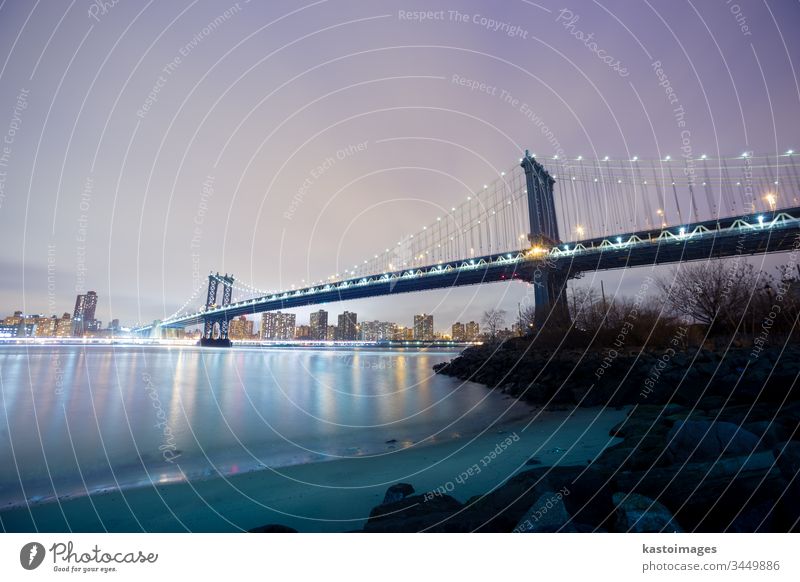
639	514
397	492
547	515
702	440
415	513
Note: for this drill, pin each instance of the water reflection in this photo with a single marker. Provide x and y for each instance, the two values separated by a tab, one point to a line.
111	415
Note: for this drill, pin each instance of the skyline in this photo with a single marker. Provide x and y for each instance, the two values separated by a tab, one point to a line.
129	146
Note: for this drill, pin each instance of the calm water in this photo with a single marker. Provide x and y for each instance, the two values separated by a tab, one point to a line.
78	419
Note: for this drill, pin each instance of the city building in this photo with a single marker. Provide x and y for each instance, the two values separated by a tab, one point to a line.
83	314
64	326
240	328
276	325
331	332
378	331
423	327
319	325
472	330
458	332
46	326
19	330
13	319
347	330
302	332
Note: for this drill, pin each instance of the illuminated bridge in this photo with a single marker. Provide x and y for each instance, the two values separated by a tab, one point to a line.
545	228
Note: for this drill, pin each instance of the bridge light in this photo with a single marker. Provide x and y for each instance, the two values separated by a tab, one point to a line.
619	240
703	157
573	177
619	181
605	159
789	152
555	157
745	154
438	218
579	230
682	231
580	158
566	247
453	209
485	186
595	179
635	159
760	218
667	158
660	212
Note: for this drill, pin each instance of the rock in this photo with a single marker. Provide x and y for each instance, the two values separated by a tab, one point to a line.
273	528
416	513
547	515
705	440
707	496
770	433
639	514
397	492
787	457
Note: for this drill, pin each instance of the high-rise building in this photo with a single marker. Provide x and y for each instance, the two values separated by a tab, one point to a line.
378	331
459	333
277	326
472	330
319	325
240	328
331	333
348	327
83	314
423	327
303	332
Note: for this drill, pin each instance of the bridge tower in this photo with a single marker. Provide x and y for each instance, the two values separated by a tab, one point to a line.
217	324
550	284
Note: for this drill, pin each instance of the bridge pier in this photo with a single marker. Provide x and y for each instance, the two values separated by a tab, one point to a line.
212	338
550	284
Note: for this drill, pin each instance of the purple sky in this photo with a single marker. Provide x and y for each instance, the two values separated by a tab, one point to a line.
102	187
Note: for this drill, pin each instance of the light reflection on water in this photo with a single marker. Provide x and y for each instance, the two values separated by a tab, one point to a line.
114	416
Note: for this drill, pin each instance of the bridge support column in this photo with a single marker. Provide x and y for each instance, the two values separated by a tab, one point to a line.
541	204
550	299
215	327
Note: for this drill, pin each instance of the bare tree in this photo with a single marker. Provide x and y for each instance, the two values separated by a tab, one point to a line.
493	320
714	293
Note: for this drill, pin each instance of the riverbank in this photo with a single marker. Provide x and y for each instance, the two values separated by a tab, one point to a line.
335	495
711	443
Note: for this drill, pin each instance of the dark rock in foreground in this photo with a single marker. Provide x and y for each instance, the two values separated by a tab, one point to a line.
397	492
639	514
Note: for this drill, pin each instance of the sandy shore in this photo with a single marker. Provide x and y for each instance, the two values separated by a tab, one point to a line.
335	495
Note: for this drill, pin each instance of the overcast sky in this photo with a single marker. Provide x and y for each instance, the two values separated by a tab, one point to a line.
146	143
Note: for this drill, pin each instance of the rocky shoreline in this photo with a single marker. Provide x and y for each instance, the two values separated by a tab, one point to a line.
711	444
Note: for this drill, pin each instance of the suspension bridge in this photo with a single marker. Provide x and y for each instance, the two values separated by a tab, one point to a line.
547	221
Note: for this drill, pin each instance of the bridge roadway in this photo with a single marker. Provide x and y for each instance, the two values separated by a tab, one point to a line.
767	232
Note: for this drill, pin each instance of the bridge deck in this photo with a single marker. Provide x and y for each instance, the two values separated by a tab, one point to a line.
765	233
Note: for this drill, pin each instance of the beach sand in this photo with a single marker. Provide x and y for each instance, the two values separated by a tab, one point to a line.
330	496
